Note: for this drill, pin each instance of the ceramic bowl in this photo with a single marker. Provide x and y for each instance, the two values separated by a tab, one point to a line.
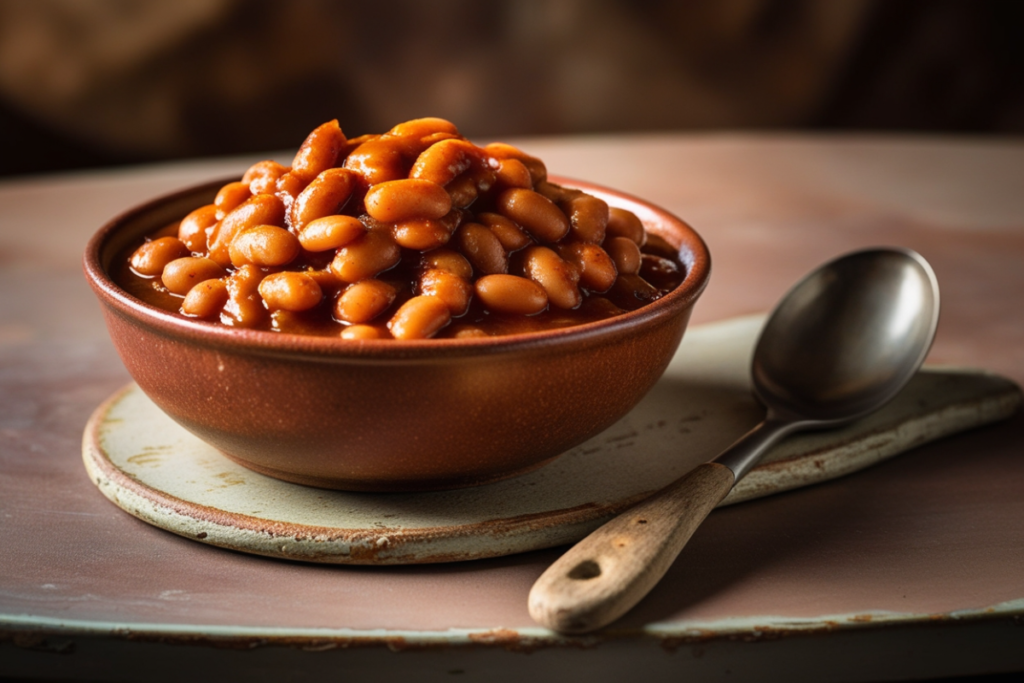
391	415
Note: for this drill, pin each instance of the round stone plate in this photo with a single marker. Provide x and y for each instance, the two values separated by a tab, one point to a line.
152	468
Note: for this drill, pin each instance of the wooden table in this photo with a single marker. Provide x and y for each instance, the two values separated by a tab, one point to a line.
914	568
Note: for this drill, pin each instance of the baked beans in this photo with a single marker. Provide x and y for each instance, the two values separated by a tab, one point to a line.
555	276
625	253
262	177
262	209
319	151
330	232
206	299
456	292
194	227
411	234
483	249
289	291
364	301
326	195
264	245
402	200
181	275
420	317
230	196
151	258
371	253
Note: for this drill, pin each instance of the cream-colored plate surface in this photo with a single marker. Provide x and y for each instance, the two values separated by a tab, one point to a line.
152	468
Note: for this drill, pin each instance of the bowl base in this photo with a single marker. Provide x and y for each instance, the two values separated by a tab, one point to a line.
154	469
385	485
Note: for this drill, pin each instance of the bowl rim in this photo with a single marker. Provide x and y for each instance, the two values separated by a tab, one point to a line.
694	255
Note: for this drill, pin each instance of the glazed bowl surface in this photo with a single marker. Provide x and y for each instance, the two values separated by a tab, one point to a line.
387	415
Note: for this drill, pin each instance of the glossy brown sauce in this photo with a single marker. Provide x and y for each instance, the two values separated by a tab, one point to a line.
659	269
486	182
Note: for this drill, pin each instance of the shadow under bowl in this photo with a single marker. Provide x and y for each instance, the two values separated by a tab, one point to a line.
388	415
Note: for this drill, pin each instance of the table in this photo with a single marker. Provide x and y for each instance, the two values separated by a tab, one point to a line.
914	568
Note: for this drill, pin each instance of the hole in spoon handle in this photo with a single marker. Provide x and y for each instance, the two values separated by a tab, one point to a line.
587	569
607	573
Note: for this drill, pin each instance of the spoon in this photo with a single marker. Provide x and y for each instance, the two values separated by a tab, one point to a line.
839	345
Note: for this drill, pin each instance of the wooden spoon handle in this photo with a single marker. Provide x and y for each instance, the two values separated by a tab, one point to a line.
607	573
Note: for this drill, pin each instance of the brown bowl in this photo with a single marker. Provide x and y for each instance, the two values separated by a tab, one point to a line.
391	415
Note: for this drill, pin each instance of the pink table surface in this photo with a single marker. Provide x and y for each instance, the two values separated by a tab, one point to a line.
935	536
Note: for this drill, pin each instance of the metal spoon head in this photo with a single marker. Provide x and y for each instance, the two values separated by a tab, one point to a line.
847	337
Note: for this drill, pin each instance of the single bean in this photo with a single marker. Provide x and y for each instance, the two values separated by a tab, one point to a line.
483	249
422	234
361	332
205	300
443	161
625	253
501	150
406	199
364	301
266	246
330	232
326	195
623	223
468	332
421	317
151	257
558	278
588	217
511	294
455	291
379	160
261	209
420	128
596	268
535	212
194	227
366	256
262	177
290	291
230	196
244	307
510	235
447	259
513	173
181	275
319	151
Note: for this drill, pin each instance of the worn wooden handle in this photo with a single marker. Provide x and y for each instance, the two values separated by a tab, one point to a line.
603	576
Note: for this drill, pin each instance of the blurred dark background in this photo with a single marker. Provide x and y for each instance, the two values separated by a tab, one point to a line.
105	82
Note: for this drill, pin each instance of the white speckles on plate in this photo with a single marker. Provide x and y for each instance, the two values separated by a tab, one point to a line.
154	469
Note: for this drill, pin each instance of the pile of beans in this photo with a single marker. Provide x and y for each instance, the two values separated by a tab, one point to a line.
412	234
